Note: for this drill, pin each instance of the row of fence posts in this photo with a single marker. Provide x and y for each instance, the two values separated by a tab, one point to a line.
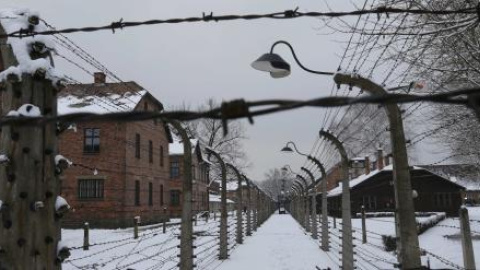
300	208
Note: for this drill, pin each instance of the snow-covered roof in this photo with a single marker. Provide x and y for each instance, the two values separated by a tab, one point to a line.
466	175
217	198
360	179
176	148
100	98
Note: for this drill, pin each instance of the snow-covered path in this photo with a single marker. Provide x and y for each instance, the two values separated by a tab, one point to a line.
279	244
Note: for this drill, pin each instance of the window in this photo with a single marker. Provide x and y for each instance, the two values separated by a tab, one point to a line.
161	156
137	193
145	106
90	188
193	172
442	199
150	194
174	169
161	195
91	142
137	145
175	197
150	151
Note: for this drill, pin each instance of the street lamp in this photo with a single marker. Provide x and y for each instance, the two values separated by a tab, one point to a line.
408	257
276	66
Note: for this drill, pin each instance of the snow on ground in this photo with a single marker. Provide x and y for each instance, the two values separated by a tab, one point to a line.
279	244
434	240
116	249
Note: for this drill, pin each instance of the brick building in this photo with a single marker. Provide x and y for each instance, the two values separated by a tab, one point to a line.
120	168
200	179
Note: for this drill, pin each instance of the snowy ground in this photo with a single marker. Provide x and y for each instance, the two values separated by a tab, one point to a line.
280	243
116	249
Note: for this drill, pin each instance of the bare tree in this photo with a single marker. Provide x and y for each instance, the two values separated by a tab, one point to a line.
442	50
275	181
210	134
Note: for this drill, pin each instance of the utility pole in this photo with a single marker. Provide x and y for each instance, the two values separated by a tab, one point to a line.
347	241
223	210
29	185
239	204
186	230
409	253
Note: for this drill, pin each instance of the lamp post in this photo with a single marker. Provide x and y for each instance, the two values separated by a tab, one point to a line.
409	253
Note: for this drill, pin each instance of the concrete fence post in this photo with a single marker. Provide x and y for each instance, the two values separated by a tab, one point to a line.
467	247
186	226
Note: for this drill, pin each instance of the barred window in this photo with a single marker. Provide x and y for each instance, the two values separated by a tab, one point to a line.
90	188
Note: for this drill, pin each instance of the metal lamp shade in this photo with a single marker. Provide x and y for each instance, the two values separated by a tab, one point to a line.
286	149
273	63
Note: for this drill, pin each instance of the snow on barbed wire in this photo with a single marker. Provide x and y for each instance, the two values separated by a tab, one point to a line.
26	110
13	20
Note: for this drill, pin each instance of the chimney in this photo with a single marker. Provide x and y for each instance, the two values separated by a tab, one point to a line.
99	77
387	159
379	159
367	165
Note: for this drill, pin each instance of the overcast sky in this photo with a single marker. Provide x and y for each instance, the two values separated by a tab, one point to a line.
190	63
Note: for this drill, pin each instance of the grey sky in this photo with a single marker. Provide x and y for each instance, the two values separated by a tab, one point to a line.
189	63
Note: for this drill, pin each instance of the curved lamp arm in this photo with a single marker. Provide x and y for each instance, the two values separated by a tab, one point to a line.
298	61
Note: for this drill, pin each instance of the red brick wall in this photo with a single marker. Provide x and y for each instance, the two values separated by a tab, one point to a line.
199	186
333	178
117	164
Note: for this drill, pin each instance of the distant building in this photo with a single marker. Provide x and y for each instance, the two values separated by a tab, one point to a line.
120	168
215	203
376	192
466	175
200	179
